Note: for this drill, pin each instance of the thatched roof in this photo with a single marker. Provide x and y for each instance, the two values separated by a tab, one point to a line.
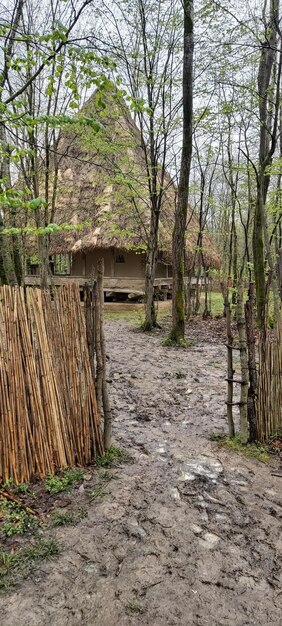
102	180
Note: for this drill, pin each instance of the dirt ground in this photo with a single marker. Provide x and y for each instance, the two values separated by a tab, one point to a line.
187	534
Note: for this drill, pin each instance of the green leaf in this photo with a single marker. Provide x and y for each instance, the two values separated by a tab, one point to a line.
36	203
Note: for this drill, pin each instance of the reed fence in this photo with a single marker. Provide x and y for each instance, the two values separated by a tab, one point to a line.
49	417
269	393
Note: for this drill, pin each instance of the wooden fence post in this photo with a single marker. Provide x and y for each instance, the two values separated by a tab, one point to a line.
244	430
251	345
90	325
101	359
230	369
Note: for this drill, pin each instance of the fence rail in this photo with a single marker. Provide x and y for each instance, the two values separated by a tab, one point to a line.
49	416
269	397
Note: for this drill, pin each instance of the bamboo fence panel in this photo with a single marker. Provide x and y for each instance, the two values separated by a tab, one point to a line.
48	410
269	397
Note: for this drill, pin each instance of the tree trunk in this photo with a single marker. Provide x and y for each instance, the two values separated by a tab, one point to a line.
8	257
244	429
151	258
269	108
251	343
230	369
258	253
178	243
7	270
43	253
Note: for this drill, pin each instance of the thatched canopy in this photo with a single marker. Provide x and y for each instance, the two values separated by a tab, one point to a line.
102	181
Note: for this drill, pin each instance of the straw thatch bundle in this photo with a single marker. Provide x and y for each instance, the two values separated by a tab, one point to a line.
102	180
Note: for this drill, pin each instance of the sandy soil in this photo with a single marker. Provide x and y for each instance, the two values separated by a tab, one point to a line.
187	534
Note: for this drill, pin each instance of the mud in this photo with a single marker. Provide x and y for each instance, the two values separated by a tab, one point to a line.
186	534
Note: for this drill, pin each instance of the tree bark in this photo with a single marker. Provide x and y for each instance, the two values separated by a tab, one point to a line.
178	244
244	428
251	344
267	145
150	272
230	368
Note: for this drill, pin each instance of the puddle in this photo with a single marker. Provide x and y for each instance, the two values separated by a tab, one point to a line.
202	466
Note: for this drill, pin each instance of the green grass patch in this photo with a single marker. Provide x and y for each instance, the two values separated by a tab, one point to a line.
65	481
24	488
134	314
135	318
113	456
15	520
19	564
106	475
179	375
255	450
217	305
67	518
98	493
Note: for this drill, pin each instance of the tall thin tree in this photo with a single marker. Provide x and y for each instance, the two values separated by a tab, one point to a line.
179	233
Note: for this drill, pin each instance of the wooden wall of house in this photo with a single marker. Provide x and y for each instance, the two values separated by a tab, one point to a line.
129	264
161	270
118	263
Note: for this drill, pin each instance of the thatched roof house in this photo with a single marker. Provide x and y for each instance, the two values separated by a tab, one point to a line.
102	183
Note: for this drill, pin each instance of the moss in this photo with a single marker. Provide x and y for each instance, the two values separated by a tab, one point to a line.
172	341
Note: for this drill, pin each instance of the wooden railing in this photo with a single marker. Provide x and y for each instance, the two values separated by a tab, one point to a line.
123	284
119	284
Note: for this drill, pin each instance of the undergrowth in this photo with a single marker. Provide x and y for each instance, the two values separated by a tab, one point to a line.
113	456
64	482
67	518
19	564
255	450
98	493
14	519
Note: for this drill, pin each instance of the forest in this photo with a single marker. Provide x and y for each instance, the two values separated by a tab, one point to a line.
140	312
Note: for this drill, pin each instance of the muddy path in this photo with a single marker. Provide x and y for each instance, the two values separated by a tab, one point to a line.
186	534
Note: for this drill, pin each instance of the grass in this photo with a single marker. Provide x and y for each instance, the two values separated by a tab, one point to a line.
133	609
113	456
180	375
19	564
216	304
15	520
67	518
255	450
134	313
105	475
98	493
65	482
